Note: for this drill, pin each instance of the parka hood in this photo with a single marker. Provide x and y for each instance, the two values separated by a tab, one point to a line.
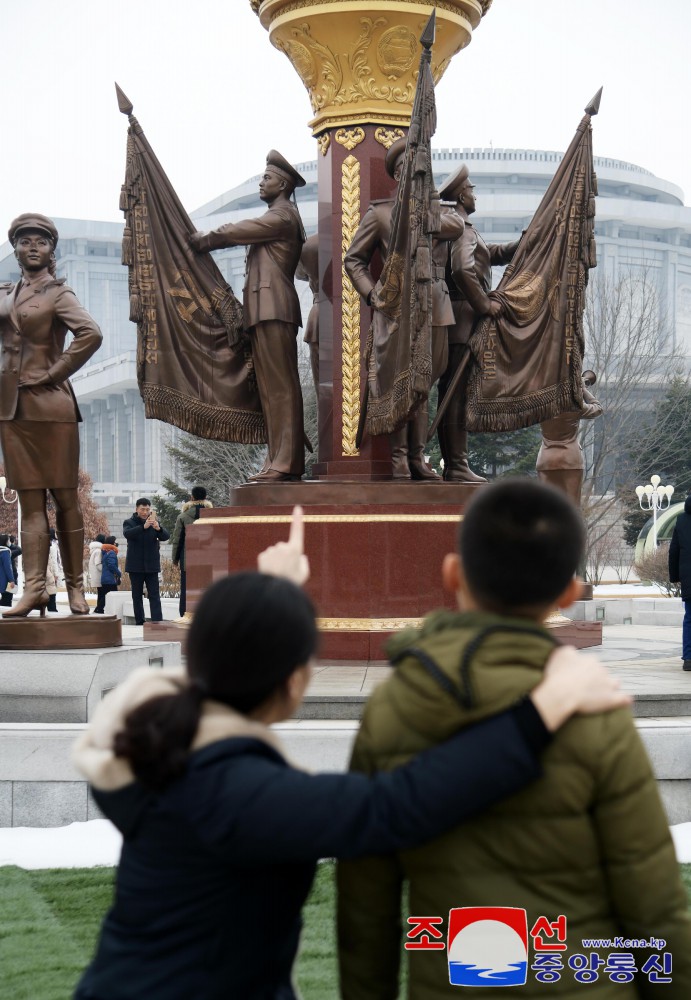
93	754
453	671
196	503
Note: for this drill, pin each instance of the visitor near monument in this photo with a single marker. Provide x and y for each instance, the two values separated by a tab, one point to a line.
680	572
589	841
96	561
188	515
110	573
7	577
38	410
407	444
272	312
222	835
54	575
143	561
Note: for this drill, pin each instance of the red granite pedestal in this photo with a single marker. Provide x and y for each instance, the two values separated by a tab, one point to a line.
375	552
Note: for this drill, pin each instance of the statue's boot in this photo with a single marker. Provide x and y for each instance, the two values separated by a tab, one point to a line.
35	560
456	468
417	438
399	453
72	552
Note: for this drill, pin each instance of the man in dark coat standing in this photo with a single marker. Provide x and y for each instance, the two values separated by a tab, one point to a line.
272	311
680	572
143	563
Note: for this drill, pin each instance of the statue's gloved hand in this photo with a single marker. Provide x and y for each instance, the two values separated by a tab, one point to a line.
32	381
195	241
495	308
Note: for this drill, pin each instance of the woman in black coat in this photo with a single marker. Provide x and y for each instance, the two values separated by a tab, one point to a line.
680	572
221	833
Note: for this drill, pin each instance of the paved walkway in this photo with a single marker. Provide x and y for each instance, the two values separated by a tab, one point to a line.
646	658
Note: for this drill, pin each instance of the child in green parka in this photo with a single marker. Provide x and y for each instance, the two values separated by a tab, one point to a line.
585	851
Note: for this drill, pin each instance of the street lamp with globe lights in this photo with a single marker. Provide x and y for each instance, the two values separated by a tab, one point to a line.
653	497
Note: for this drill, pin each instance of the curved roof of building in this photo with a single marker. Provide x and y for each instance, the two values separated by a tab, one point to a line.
524	171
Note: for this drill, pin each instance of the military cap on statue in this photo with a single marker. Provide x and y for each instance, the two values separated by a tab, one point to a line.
34	221
280	165
395	150
451	187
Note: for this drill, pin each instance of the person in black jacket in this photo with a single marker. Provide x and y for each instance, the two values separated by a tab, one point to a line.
11	542
222	834
680	572
143	562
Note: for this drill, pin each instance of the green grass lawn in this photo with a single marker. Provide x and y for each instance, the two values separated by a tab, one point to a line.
49	921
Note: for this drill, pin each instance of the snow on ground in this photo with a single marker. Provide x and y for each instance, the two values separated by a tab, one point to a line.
87	845
627	590
79	845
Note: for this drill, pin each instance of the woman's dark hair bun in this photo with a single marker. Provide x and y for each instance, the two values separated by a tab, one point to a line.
158	735
249	633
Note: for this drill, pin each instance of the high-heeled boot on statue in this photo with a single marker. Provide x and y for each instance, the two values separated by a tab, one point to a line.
35	560
72	553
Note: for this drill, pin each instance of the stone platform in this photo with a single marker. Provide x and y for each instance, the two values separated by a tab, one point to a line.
39	787
65	685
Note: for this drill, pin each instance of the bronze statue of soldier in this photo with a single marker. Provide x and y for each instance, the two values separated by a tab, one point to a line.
272	312
469	276
374	233
38	409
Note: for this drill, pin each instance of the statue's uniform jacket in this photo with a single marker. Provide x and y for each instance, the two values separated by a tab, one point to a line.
38	425
275	240
470	278
374	233
272	315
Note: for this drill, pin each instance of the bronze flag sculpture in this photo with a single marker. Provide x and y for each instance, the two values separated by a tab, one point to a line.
528	360
400	367
194	367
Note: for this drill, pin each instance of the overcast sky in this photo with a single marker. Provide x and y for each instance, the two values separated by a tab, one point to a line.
213	95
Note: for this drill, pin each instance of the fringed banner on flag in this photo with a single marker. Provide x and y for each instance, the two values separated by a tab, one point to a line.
400	367
528	361
194	367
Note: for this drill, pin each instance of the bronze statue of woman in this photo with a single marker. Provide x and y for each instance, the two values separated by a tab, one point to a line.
38	409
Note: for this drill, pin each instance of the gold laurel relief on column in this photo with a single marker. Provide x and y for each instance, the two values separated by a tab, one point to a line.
387	136
350	137
350	304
